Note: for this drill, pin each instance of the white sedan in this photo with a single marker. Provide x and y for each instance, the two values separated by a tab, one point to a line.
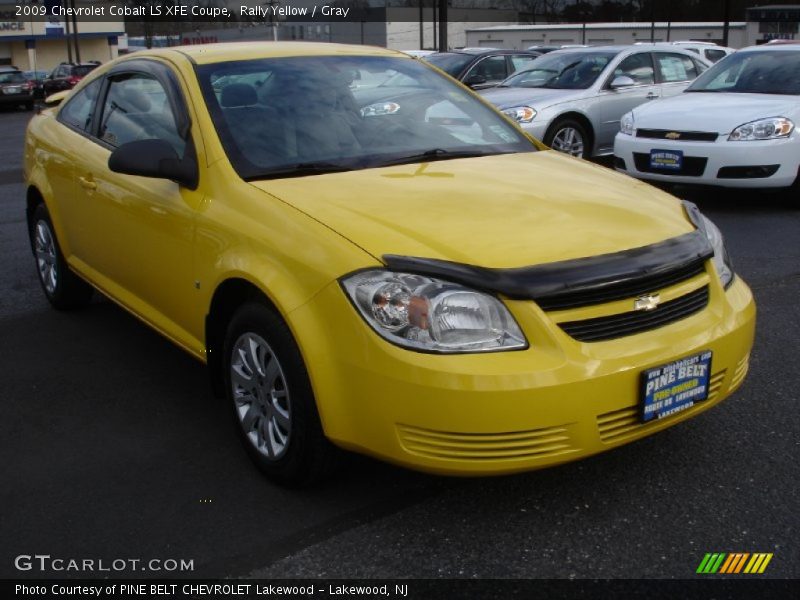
733	127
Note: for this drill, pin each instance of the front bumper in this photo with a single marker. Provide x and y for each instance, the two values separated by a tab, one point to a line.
21	98
710	157
494	413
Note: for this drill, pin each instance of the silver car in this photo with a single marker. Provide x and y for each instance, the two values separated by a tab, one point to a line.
573	99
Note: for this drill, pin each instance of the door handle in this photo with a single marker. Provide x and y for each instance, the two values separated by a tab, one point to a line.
87	183
651	96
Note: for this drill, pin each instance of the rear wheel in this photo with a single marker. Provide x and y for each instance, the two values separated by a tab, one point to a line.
29	105
63	288
270	395
569	137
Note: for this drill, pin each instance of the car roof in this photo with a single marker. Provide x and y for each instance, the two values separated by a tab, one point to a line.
203	54
771	48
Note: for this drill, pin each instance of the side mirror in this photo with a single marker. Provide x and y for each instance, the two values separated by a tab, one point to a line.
622	81
475	80
154	158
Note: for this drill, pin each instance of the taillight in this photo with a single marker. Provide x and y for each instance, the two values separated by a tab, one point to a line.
73	80
28	85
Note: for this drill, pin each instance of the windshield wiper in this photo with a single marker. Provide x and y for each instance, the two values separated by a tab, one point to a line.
301	170
435	154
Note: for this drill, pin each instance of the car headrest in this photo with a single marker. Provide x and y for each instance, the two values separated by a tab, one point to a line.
136	99
238	94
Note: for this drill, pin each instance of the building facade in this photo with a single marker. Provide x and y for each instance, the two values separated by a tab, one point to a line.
519	37
40	45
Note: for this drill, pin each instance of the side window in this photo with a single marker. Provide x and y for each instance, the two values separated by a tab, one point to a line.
520	61
492	68
715	55
638	67
137	108
675	67
701	67
78	112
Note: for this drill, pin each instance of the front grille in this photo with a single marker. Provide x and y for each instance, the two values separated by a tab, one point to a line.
739	373
617	425
693	166
753	172
624	289
629	323
535	443
691	136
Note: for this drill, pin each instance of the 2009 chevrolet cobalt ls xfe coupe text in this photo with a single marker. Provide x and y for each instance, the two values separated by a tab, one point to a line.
402	273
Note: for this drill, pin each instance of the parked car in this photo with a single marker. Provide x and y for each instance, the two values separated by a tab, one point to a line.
37	81
481	67
708	50
735	126
66	75
363	277
573	99
15	89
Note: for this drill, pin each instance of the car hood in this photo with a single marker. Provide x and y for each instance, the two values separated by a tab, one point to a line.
719	112
538	98
499	212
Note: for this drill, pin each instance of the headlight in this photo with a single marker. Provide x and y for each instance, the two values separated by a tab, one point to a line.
721	260
763	129
626	124
379	109
432	315
521	114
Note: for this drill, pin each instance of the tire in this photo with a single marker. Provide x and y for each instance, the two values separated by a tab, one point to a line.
63	288
570	137
29	106
273	406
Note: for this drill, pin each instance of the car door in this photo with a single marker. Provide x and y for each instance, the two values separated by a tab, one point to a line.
77	115
674	72
141	229
613	103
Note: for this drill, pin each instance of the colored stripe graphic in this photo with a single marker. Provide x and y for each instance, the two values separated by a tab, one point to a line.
723	563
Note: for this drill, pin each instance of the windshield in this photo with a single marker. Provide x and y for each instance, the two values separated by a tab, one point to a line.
568	71
83	70
451	63
761	72
306	115
12	78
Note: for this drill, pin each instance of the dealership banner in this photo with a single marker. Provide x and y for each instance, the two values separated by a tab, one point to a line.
588	589
248	12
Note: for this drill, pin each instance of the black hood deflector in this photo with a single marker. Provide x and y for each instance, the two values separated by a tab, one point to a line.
581	281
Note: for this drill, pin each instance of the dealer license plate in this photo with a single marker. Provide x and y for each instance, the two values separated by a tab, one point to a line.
666	160
676	386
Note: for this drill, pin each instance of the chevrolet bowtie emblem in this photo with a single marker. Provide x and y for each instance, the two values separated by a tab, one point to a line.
673	135
649	302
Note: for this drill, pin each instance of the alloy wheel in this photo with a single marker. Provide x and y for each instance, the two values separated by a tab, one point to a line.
262	399
45	248
569	141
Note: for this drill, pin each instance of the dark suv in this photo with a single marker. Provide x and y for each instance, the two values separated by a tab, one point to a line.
15	89
481	67
66	75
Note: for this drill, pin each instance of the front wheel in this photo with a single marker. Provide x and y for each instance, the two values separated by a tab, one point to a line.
273	405
63	288
569	137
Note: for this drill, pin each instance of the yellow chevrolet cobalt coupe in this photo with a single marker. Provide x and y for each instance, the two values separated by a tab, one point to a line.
367	256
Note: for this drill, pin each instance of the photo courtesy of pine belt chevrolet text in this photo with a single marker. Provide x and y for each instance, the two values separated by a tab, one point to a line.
370	257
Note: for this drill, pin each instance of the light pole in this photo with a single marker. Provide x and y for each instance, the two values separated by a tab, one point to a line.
273	5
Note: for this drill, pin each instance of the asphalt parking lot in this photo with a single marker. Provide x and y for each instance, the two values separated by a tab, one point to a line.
113	447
